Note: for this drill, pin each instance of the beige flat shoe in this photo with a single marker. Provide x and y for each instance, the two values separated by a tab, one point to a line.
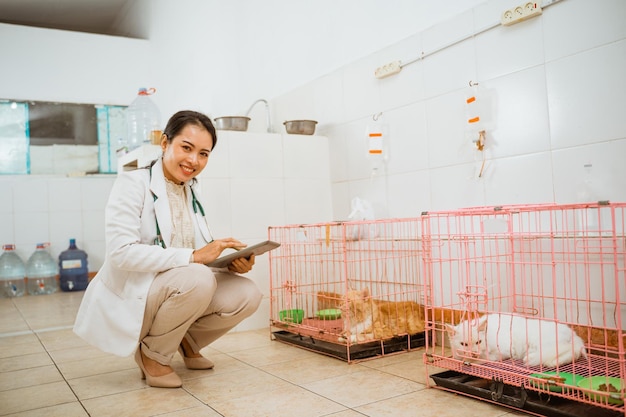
171	380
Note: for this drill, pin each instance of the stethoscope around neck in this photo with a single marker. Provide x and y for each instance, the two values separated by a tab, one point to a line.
195	204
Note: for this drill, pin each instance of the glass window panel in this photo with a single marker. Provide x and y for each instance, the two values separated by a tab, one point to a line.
60	138
14	142
111	136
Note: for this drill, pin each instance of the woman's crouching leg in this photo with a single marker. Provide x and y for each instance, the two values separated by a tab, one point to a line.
235	299
177	298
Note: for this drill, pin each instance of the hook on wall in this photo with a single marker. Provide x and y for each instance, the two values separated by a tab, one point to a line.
376	116
472	83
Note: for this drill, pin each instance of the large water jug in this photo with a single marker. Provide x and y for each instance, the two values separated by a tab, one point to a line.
12	272
41	271
73	268
143	119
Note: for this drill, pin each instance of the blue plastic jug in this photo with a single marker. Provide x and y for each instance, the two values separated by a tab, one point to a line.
73	268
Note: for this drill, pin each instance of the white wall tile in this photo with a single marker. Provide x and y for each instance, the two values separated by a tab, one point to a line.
507	49
306	157
299	105
361	89
256	205
338	153
450	69
6	191
518	180
307	201
31	195
578	25
586	96
456	186
407	139
64	194
605	179
445	33
409	194
65	225
215	196
520	114
7	227
341	197
56	248
282	108
446	120
327	101
31	228
94	191
93	225
357	149
256	155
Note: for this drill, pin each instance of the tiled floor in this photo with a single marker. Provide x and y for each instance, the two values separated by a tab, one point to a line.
46	370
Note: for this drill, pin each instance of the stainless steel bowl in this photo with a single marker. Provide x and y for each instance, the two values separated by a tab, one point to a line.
300	127
239	123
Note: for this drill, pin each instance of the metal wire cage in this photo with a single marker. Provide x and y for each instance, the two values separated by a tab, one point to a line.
561	264
318	265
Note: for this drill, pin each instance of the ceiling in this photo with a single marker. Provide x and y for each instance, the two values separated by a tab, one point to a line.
92	16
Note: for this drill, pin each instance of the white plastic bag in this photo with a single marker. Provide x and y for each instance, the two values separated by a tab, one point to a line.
362	215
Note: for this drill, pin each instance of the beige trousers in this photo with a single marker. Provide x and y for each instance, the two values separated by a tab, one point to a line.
194	303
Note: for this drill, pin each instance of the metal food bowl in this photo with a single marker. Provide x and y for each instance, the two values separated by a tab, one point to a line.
239	123
300	127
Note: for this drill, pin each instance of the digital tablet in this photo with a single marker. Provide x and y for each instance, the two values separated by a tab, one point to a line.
257	249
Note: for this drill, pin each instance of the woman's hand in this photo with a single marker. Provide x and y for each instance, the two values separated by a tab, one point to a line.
242	265
213	250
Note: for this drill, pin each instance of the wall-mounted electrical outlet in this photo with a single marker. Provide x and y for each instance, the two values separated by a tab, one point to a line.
388	69
520	13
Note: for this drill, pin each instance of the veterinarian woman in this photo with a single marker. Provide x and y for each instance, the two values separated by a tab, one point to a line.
154	295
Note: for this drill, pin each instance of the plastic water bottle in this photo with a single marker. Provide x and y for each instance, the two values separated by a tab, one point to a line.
73	268
12	272
142	119
41	271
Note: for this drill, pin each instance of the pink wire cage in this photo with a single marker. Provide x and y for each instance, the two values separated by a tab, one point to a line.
558	263
317	264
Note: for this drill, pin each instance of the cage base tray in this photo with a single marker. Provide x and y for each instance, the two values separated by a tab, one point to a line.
517	397
356	352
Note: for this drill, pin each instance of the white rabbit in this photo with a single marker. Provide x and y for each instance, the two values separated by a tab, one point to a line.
501	336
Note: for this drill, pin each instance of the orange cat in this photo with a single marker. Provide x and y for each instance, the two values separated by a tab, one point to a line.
328	300
367	318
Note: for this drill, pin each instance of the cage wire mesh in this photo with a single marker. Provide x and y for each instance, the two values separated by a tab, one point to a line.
560	264
319	268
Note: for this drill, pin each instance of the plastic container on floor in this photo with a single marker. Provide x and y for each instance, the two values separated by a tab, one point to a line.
12	273
41	272
73	268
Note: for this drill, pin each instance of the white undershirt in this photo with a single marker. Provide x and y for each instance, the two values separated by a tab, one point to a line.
183	234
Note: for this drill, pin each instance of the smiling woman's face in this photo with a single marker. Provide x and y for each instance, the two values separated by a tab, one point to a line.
187	154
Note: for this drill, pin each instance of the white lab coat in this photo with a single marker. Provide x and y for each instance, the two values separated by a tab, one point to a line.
111	313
